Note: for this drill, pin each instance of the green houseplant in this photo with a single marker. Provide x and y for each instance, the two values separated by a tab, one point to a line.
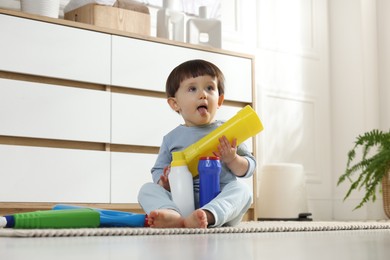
372	170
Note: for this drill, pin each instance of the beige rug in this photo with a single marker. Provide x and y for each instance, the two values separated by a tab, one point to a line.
244	227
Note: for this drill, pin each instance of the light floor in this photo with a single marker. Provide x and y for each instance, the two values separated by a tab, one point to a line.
371	244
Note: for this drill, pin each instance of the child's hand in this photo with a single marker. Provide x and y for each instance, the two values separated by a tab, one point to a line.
164	182
226	152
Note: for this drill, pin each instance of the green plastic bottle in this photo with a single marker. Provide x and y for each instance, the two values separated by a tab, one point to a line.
69	218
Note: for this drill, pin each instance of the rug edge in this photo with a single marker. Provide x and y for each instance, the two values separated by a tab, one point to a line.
244	227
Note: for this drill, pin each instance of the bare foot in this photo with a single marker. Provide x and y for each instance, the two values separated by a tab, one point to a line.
197	219
165	218
168	218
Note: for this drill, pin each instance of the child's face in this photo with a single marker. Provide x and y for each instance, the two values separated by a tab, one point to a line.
197	100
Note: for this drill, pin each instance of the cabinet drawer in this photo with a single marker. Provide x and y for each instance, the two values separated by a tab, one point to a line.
36	174
45	49
47	111
139	120
129	171
146	65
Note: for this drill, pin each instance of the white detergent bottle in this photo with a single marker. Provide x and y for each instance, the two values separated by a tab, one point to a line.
204	31
170	22
181	183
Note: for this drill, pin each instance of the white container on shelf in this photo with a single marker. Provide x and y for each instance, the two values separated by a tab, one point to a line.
204	31
170	22
50	8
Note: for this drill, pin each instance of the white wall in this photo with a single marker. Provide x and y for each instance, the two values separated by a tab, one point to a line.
383	21
293	85
321	76
355	93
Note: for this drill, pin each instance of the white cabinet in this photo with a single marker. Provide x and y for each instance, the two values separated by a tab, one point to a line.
37	174
129	172
146	65
45	49
139	120
48	111
83	111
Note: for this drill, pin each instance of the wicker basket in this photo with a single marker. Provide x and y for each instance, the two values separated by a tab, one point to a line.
386	193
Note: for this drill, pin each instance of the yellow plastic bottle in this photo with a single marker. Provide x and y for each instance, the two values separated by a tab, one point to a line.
243	125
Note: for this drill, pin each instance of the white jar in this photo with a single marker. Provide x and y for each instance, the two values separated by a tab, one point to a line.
48	8
204	31
170	22
181	183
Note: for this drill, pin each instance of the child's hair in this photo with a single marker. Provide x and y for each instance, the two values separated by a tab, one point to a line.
193	69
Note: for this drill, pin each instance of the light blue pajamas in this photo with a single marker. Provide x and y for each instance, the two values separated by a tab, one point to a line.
228	207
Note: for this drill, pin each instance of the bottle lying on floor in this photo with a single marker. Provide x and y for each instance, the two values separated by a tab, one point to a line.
71	216
113	218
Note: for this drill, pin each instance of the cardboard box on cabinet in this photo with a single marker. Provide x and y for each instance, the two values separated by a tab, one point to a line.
121	16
